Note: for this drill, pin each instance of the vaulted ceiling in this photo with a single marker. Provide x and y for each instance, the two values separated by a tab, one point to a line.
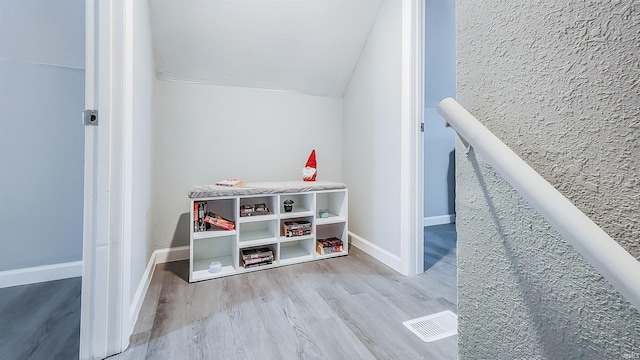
308	46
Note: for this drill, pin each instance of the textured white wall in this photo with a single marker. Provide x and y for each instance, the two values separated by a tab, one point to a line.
558	82
372	104
142	122
41	136
205	133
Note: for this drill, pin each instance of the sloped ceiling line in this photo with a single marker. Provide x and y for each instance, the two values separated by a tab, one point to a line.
307	46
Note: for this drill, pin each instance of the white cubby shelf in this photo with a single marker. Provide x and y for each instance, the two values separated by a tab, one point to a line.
264	230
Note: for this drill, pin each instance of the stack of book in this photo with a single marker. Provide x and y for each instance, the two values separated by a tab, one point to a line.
254	210
296	228
219	221
328	246
257	257
199	213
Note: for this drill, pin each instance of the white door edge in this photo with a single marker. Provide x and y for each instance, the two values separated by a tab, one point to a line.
411	182
102	310
87	321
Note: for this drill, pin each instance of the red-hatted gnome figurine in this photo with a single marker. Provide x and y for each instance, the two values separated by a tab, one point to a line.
310	171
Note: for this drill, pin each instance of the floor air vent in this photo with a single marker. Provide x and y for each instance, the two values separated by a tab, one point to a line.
435	326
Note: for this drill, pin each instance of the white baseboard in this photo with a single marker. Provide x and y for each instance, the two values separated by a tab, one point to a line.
141	291
171	254
157	257
380	254
38	274
439	220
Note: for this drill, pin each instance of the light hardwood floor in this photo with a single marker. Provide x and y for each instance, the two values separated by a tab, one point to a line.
40	321
440	247
343	308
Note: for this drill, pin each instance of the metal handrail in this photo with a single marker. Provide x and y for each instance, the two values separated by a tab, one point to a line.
607	256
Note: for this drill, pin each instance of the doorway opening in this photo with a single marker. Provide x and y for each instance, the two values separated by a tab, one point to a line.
439	141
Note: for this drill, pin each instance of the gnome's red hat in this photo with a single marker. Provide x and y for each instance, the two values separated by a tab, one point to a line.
310	170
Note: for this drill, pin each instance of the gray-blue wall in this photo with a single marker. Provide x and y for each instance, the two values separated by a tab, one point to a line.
41	136
440	82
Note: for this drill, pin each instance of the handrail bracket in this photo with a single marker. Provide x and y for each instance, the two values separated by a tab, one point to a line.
467	146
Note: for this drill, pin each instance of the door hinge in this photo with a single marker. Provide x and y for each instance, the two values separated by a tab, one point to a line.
90	117
421	127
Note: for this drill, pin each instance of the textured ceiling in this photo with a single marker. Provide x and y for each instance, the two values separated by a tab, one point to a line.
308	46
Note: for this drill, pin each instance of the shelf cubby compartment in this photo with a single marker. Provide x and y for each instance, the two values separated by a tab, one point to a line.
303	205
296	250
333	201
269	201
274	249
205	251
257	233
283	233
223	207
337	230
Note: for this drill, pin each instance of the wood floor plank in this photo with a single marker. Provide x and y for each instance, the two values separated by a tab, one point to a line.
41	321
337	341
303	293
171	327
375	328
248	328
61	331
289	333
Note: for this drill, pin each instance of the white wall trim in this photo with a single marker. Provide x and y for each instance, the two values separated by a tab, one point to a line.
159	256
172	254
38	274
141	292
439	220
380	254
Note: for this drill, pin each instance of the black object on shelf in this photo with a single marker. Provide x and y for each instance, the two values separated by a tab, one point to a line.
288	205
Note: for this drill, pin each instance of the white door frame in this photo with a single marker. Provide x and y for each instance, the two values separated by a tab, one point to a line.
412	142
104	281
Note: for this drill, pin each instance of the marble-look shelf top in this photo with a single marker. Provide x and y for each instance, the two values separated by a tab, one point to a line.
259	188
